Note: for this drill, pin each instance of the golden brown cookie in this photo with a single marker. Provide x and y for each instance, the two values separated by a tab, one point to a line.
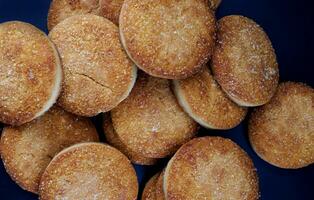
30	73
115	141
61	9
202	98
149	192
150	121
244	62
168	38
210	168
282	131
27	150
97	73
89	171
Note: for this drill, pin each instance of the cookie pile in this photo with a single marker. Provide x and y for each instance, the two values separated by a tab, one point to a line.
155	71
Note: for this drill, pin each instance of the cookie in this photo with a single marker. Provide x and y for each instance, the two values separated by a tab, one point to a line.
97	73
203	99
27	150
89	171
150	121
168	39
210	168
282	131
244	62
30	73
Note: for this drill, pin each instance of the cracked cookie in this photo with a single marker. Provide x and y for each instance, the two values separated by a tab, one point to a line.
98	75
27	150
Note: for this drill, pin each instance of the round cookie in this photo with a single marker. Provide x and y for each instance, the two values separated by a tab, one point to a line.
214	4
115	141
27	150
282	131
168	39
244	62
150	121
30	73
202	98
149	192
97	73
210	168
89	171
61	9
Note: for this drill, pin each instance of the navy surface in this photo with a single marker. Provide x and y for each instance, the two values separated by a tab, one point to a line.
289	24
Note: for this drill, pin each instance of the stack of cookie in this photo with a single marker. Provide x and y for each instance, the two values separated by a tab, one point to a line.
155	71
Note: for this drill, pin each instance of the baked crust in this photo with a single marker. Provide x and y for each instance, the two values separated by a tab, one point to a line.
89	171
149	192
27	150
30	73
210	168
244	62
160	195
97	73
59	10
282	131
203	99
168	38
150	121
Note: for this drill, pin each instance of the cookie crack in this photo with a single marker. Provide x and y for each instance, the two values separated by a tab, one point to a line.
95	81
92	79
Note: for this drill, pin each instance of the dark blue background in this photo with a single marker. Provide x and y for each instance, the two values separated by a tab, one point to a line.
289	24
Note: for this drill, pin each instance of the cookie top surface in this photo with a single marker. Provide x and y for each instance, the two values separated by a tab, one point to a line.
244	62
97	73
203	99
150	121
115	141
27	150
282	131
210	168
168	38
89	171
61	9
30	73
